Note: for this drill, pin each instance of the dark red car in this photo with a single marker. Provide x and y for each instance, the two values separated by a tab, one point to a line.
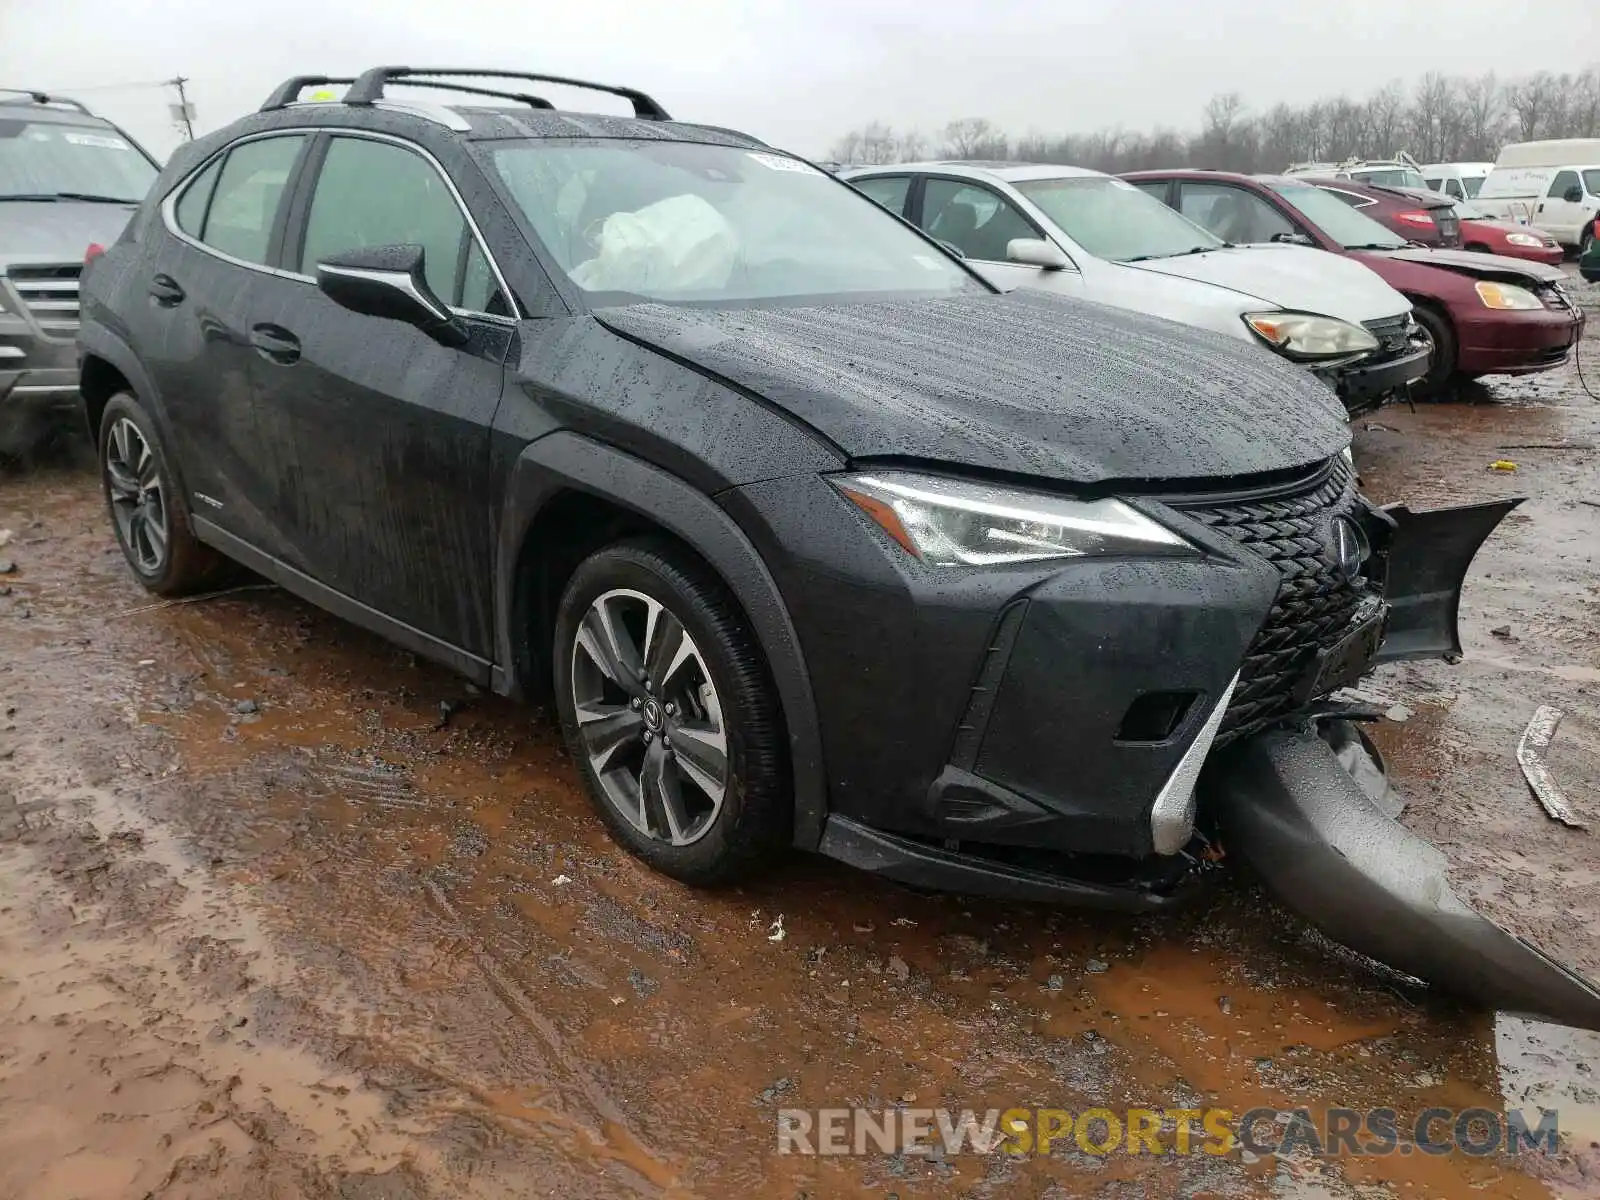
1417	216
1487	314
1488	234
1457	222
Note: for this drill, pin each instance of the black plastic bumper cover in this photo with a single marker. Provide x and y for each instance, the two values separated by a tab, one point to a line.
1326	850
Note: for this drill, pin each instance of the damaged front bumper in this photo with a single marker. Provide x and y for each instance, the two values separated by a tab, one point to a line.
1312	822
1326	849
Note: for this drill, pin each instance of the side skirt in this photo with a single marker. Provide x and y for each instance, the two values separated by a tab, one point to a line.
478	670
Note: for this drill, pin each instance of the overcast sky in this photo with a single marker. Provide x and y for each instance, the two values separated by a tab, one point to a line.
800	72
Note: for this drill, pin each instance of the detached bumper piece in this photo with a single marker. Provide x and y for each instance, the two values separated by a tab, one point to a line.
1327	850
1040	876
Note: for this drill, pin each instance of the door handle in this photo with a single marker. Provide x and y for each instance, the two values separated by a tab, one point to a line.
1540	209
275	343
165	291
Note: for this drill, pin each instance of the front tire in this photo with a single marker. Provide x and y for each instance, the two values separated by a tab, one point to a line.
146	505
668	708
1442	365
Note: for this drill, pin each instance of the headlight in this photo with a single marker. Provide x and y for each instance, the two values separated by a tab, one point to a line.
1302	335
1524	239
951	522
1505	295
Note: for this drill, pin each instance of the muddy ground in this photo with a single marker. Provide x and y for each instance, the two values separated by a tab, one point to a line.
284	912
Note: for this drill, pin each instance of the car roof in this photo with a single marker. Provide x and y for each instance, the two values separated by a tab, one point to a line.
57	111
1009	172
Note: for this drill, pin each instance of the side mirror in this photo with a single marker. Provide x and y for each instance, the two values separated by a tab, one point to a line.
1573	195
1294	239
388	282
1036	252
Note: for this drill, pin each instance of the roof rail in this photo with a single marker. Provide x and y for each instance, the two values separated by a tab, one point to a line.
369	87
289	91
34	96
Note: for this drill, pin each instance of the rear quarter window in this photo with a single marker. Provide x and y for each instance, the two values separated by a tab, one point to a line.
196	198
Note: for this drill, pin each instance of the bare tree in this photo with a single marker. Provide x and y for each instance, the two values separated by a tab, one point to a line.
974	137
1442	118
1386	110
1483	111
1530	101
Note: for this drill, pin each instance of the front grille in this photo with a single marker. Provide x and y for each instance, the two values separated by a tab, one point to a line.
1556	296
1393	333
1449	227
1314	605
50	295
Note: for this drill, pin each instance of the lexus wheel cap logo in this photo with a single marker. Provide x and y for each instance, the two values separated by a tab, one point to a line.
1347	546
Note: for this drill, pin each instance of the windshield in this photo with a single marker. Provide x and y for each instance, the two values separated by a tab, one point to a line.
632	221
1391	177
1338	220
1112	219
41	161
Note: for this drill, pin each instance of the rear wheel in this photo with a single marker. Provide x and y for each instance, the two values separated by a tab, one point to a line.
1442	361
147	510
666	704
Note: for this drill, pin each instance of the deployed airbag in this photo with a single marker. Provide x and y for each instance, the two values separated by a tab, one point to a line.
681	244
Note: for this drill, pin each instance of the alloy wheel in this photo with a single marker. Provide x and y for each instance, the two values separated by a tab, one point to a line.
138	501
649	717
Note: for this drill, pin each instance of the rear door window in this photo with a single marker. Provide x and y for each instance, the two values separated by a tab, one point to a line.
372	193
888	190
196	198
248	191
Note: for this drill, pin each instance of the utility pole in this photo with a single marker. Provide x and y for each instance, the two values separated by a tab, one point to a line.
183	110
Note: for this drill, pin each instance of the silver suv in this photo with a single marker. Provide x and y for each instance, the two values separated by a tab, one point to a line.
68	180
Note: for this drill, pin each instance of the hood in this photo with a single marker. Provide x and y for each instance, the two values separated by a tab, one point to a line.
57	231
1023	382
1290	277
1483	266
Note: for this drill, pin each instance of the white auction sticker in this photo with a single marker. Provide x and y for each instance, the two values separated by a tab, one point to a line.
777	162
104	141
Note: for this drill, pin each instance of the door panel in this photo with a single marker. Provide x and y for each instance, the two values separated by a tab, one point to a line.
1560	216
382	491
194	327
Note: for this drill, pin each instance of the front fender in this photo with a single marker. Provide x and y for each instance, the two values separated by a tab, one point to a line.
566	461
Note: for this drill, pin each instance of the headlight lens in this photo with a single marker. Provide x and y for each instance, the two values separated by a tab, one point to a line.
1304	335
1523	239
1505	295
952	522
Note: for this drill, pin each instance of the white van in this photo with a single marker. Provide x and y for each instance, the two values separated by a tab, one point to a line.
1461	180
1554	185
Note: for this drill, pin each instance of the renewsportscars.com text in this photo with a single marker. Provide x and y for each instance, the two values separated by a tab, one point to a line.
1211	1131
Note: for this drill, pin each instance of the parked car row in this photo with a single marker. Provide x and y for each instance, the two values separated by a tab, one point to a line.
1080	233
1290	263
1551	185
816	537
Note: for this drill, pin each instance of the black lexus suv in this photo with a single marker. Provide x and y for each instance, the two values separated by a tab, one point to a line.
818	540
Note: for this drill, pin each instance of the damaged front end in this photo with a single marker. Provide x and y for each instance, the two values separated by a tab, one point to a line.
1305	804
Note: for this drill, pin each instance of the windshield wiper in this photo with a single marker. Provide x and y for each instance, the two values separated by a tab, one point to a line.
1378	246
1178	253
87	197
